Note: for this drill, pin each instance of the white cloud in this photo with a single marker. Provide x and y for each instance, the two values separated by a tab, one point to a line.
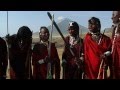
60	18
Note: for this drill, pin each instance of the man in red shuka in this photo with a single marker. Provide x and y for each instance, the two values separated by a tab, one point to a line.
116	44
72	65
97	48
40	57
20	54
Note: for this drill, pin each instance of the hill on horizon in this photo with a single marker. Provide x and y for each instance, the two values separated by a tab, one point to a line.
63	25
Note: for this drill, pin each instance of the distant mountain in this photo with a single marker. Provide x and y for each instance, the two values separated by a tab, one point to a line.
63	25
108	30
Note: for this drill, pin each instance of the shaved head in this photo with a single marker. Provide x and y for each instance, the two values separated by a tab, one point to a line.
116	13
116	17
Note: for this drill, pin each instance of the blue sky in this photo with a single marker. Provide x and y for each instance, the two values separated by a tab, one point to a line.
35	19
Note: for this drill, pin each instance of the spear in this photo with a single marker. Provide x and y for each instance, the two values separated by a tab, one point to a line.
8	43
56	26
7	22
49	75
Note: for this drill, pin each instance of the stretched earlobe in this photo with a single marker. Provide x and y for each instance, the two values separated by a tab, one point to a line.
39	33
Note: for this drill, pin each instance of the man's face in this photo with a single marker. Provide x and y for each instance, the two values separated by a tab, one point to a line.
44	35
115	17
26	40
72	31
92	26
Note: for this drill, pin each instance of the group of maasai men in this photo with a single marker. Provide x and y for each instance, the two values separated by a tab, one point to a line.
90	57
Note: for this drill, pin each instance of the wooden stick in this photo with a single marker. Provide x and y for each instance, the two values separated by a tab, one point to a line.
98	77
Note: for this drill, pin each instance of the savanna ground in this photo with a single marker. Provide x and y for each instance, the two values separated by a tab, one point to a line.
60	45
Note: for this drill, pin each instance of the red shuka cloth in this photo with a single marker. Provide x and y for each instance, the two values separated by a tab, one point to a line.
40	70
71	70
93	51
116	58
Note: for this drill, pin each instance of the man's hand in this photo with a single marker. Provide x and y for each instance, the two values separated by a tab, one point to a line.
79	62
106	54
47	59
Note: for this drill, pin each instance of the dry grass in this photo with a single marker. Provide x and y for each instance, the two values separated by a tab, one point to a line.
60	50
